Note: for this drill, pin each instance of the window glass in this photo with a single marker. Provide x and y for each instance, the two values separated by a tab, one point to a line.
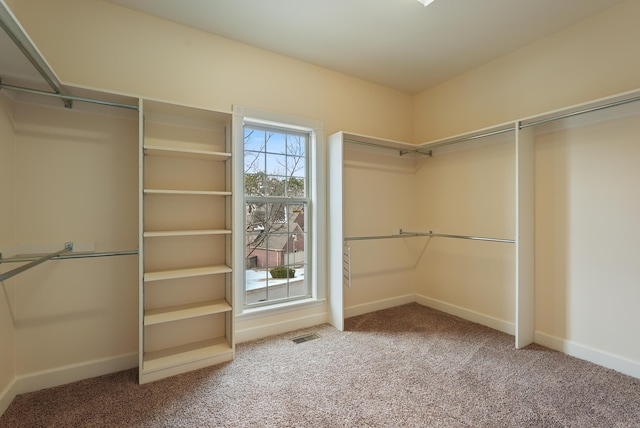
276	215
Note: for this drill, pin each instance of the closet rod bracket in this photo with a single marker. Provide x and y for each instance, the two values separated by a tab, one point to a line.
406	152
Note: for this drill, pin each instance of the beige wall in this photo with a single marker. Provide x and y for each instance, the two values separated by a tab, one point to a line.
77	181
593	59
7	239
378	200
469	191
153	58
78	176
141	55
587	231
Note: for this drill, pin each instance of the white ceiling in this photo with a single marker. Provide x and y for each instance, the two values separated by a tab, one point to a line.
396	43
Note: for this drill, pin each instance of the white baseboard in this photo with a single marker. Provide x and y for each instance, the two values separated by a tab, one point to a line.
596	356
278	327
74	372
7	396
63	375
467	314
378	305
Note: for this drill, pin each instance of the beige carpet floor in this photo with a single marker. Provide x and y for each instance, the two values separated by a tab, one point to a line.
409	366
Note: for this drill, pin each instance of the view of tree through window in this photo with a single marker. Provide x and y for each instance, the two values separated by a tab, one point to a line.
276	201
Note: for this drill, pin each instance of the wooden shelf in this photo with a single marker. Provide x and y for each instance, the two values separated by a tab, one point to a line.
163	233
181	312
186	273
175	152
186	192
184	234
186	354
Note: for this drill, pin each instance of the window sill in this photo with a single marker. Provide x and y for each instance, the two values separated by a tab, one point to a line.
280	308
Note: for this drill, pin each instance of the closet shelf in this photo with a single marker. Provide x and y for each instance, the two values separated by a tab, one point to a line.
175	152
162	233
186	192
186	354
186	273
185	183
181	312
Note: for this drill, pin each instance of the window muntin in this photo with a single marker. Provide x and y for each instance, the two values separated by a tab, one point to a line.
275	162
277	199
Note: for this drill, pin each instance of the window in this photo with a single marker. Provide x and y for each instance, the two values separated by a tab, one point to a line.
278	212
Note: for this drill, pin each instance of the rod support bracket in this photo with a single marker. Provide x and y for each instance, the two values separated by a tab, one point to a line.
68	246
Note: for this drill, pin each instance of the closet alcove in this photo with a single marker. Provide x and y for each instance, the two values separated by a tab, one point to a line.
90	180
560	185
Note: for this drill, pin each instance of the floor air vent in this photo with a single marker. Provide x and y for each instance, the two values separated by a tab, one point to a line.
305	338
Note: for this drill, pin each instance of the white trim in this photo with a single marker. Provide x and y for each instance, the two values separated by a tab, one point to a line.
7	396
525	242
74	372
587	353
316	200
63	375
378	305
469	315
265	330
334	212
280	308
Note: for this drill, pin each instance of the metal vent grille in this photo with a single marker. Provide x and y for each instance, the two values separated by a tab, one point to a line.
305	338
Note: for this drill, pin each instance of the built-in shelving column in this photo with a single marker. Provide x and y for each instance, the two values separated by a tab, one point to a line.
525	284
185	291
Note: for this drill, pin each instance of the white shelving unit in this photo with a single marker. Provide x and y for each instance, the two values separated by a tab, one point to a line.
186	306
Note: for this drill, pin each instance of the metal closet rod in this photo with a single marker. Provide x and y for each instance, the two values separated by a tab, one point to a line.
67	248
579	112
66	97
430	234
432	146
523	125
58	255
402	152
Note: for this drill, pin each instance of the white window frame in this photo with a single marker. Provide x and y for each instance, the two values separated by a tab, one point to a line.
317	205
